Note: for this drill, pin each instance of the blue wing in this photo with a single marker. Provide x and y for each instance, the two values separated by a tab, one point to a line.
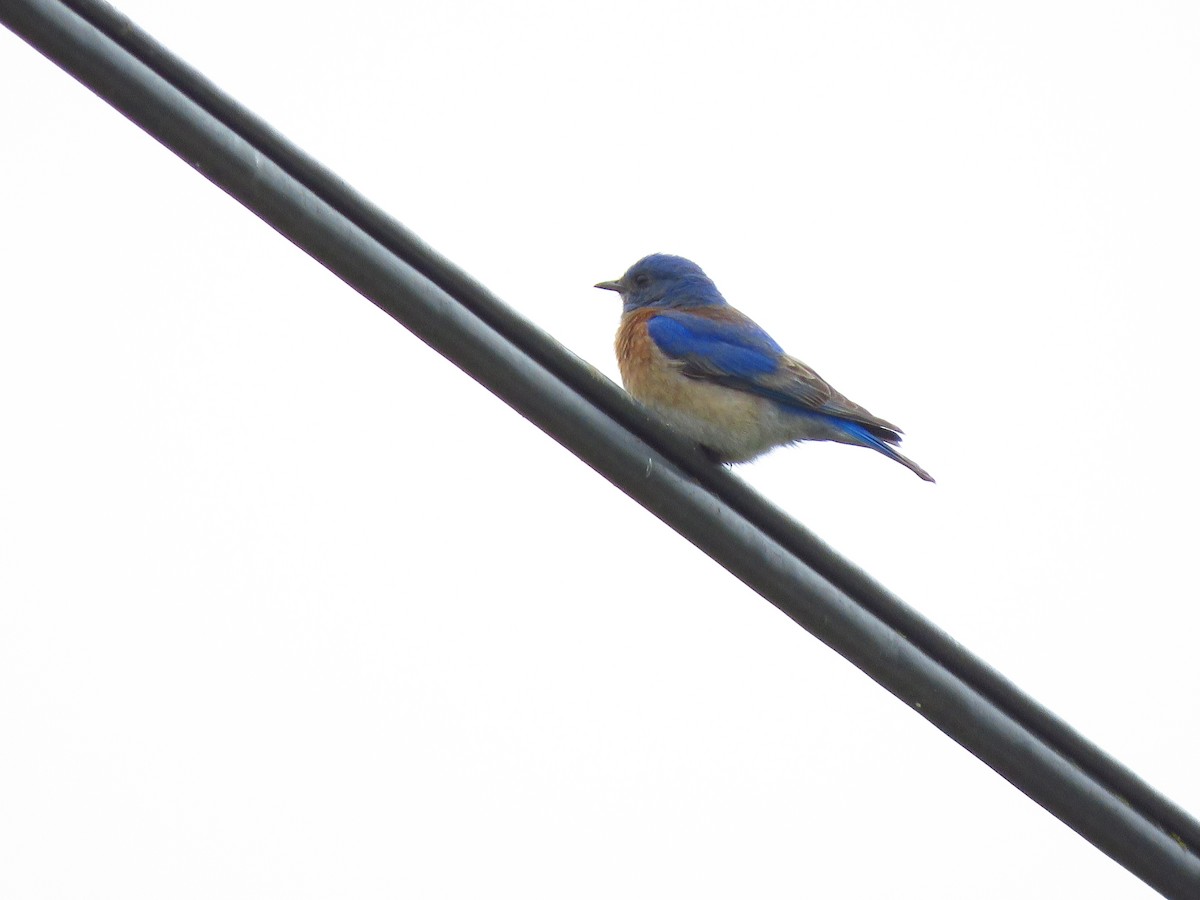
725	347
716	346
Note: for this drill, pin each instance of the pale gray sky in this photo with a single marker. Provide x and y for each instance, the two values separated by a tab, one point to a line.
291	607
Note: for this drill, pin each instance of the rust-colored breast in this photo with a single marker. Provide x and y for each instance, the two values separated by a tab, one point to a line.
636	353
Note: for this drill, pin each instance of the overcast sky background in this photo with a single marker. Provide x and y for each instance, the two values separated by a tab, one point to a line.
290	607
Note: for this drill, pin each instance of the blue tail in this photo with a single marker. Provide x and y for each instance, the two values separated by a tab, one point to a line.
877	439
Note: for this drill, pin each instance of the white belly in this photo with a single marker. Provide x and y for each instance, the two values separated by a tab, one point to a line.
736	425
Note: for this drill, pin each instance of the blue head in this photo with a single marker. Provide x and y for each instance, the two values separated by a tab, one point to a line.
661	281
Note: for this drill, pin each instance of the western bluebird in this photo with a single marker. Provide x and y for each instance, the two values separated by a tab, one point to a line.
716	376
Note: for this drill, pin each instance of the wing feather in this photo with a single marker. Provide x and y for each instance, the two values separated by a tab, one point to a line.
725	347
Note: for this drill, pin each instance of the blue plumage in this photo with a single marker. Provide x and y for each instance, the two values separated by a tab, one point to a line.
716	375
744	351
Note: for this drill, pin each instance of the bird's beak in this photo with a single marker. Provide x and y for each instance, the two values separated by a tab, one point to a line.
610	286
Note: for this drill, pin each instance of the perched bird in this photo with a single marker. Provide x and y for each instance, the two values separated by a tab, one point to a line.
716	376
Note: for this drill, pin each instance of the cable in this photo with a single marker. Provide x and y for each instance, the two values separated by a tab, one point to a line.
606	396
602	392
775	556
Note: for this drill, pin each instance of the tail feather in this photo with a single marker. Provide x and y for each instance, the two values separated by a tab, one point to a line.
893	453
868	437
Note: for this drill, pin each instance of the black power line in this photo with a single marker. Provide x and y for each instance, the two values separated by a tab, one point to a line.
842	606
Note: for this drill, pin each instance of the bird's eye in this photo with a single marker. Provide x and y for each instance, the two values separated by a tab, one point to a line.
641	280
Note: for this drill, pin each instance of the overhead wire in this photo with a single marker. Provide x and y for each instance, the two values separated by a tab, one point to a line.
776	556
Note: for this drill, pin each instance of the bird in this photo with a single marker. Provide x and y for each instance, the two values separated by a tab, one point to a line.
717	377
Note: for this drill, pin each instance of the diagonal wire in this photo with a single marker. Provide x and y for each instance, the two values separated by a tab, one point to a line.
837	602
606	396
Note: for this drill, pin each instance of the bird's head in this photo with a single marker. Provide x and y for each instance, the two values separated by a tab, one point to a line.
662	281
